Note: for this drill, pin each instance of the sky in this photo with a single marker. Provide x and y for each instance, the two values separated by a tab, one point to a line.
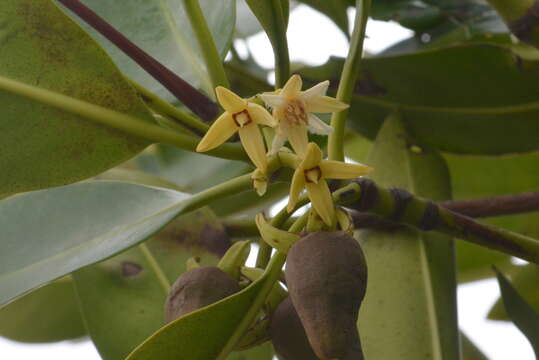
312	39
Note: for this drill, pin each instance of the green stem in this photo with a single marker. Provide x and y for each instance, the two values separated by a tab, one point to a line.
206	43
282	58
349	76
270	277
116	120
230	187
164	108
156	268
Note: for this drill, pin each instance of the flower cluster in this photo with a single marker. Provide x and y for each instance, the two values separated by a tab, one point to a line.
292	118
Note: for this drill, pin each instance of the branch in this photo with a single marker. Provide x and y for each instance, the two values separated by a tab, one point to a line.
475	208
373	207
199	103
400	206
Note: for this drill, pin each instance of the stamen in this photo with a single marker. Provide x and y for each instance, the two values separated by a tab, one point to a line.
242	118
313	175
295	112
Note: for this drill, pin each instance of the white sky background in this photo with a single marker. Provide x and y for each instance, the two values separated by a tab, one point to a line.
312	39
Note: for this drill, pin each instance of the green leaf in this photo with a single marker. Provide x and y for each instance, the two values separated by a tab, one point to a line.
335	10
411	292
202	334
469	350
522	314
525	278
41	146
50	233
475	98
131	284
48	314
261	352
163	30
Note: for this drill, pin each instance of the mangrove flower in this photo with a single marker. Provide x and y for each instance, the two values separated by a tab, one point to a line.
312	173
293	109
241	116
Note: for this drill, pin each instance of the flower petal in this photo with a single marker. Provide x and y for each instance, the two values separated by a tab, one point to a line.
297	136
297	185
253	143
277	144
292	87
272	100
313	157
260	115
219	132
230	101
316	91
317	126
325	104
322	201
276	238
332	169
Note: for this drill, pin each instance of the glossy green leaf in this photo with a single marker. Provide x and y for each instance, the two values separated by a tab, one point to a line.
48	314
335	10
50	233
202	334
163	30
271	20
476	98
261	352
409	311
469	350
131	284
525	279
41	146
522	314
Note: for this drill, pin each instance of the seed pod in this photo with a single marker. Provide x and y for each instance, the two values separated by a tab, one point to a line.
197	288
287	334
326	275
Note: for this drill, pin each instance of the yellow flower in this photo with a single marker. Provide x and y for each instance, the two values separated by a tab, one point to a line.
293	109
241	116
311	174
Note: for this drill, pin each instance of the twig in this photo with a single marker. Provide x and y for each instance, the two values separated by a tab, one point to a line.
400	206
475	208
199	103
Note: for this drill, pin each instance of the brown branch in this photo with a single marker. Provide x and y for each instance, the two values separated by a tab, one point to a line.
199	103
475	208
495	206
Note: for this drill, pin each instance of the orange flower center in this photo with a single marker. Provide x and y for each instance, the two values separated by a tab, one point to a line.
295	112
242	118
313	175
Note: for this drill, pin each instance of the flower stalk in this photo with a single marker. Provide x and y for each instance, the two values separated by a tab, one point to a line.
349	76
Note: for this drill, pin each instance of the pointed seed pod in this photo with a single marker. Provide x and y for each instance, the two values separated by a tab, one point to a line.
197	288
326	275
288	335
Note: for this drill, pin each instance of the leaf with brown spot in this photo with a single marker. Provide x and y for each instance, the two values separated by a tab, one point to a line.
131	285
41	146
